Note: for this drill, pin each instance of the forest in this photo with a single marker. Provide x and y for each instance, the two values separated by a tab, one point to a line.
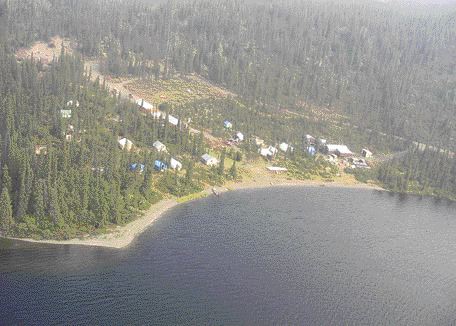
385	72
388	67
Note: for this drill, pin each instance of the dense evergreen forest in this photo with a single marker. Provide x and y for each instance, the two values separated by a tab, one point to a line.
388	73
388	67
64	174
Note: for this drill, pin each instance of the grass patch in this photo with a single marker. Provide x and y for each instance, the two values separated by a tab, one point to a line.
175	91
191	197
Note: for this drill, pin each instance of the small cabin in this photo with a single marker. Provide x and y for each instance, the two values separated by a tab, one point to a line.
175	164
159	146
209	160
160	166
137	167
125	144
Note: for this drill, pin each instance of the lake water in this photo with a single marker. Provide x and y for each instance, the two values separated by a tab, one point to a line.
297	256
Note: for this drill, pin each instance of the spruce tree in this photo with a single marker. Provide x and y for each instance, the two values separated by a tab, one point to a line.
233	170
6	212
221	167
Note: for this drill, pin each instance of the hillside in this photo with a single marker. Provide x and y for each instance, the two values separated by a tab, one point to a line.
260	88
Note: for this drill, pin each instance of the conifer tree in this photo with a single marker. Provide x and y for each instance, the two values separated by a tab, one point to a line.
233	170
221	167
6	212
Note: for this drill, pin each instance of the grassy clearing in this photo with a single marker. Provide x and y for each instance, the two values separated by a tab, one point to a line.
45	51
175	91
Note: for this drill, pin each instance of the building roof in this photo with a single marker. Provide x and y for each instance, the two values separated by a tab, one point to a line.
277	169
283	147
175	163
159	164
158	144
125	141
145	105
342	149
71	103
207	157
173	120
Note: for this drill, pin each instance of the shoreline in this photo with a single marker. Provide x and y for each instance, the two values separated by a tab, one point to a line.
124	235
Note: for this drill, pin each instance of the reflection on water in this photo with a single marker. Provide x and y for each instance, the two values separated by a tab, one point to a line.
282	256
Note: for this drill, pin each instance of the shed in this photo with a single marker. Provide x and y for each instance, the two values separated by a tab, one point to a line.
268	152
160	166
277	169
339	150
209	160
239	136
273	150
322	142
366	153
66	114
73	103
175	164
259	141
173	120
159	146
311	150
137	167
265	152
40	149
144	105
227	124
156	114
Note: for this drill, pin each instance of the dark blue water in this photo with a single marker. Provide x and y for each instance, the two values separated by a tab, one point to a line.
298	256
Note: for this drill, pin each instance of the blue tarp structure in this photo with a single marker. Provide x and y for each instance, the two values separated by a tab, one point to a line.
160	166
137	167
227	124
311	151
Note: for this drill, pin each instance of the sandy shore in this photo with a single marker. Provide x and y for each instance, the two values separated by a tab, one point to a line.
122	236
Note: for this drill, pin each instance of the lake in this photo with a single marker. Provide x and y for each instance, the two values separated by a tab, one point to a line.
300	255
